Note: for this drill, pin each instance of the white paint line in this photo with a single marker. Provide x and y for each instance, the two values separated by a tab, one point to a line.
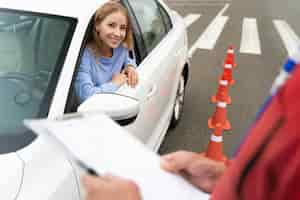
250	38
193	49
288	36
191	18
209	37
223	10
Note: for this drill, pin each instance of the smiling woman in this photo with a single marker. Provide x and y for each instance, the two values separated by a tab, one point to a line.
27	70
105	64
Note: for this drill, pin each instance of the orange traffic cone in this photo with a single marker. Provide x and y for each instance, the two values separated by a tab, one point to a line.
215	145
227	73
219	117
222	93
230	56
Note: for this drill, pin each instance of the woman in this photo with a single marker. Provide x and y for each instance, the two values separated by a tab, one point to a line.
105	64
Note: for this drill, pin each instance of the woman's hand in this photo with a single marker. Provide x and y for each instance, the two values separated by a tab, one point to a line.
110	187
119	79
132	75
196	168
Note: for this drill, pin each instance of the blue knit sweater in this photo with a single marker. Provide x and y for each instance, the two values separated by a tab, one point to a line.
95	77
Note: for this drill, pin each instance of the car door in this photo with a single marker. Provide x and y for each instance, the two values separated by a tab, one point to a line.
10	175
158	70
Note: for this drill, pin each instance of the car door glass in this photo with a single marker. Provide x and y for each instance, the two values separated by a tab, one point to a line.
32	51
166	17
152	26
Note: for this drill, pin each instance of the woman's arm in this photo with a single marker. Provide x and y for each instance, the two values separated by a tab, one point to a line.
84	85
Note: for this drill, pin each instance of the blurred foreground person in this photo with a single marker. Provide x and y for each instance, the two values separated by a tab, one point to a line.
267	165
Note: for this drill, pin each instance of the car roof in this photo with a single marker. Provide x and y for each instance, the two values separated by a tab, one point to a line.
70	8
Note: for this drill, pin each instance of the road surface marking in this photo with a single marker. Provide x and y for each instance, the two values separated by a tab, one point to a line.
223	10
211	34
250	39
191	18
288	36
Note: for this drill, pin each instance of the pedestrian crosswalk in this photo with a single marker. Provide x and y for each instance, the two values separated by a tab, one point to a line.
208	39
191	18
250	41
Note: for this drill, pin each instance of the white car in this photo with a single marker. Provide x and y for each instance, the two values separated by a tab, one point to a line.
41	44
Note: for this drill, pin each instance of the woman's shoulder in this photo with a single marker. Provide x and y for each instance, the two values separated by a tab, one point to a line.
85	52
86	56
88	52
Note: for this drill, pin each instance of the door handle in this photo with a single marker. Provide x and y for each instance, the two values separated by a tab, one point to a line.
152	92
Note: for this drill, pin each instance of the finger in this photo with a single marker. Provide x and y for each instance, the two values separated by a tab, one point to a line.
129	78
126	79
110	177
123	181
134	78
91	183
177	161
203	183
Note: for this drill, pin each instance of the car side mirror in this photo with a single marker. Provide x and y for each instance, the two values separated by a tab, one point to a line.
120	108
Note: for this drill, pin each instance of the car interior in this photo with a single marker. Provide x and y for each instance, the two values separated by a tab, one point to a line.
28	53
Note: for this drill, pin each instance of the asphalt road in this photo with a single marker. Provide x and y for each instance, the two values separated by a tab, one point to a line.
254	74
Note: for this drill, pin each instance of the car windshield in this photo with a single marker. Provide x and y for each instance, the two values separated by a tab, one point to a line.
32	51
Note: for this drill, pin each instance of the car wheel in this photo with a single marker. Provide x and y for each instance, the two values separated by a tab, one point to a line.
178	104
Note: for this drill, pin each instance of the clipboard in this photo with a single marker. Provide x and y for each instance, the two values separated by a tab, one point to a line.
99	145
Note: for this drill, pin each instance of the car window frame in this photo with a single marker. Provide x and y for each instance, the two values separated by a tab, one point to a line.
139	54
72	98
139	43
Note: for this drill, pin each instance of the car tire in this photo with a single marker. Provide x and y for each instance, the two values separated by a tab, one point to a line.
178	103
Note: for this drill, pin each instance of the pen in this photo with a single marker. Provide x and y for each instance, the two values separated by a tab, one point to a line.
88	169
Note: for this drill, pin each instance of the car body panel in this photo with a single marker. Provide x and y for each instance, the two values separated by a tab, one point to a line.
76	9
10	176
43	159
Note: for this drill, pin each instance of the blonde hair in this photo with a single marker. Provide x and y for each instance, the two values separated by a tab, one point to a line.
105	10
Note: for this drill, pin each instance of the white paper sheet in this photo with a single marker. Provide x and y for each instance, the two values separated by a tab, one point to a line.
106	147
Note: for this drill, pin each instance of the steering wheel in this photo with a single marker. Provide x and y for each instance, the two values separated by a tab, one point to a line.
23	83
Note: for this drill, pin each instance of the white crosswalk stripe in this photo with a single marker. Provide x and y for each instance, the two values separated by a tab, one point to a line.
288	36
250	42
210	36
191	18
250	39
